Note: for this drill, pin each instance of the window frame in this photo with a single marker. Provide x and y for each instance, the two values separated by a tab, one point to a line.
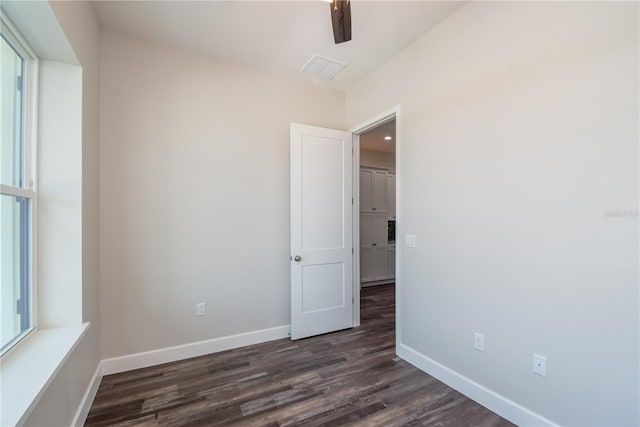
28	183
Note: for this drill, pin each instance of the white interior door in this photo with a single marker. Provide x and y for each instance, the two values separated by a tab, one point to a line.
321	239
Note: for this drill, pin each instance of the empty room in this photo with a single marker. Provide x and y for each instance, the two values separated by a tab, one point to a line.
346	212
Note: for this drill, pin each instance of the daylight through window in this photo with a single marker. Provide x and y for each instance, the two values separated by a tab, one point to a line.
17	198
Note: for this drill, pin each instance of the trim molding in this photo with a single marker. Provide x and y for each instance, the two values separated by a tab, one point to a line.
145	359
499	404
87	400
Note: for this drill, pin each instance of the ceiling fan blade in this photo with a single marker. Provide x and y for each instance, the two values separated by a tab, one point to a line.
341	20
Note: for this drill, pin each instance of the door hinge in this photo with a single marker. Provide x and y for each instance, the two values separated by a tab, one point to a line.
19	83
353	300
352	202
353	251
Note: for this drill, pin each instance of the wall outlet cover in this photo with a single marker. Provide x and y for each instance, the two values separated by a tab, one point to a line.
539	365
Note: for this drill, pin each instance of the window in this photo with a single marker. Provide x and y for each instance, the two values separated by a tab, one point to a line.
17	186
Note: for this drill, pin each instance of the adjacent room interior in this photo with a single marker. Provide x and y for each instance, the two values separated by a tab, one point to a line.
378	205
474	168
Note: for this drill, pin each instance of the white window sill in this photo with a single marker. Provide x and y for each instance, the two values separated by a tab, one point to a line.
27	370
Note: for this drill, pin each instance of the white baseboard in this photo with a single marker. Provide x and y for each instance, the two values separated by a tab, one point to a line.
115	365
497	403
85	404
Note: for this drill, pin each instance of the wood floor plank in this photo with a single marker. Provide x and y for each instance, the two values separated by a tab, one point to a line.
351	377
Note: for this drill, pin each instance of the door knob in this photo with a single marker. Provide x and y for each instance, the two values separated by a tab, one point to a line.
297	258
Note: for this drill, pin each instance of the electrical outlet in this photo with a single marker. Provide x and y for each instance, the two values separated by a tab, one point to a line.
478	342
539	365
200	309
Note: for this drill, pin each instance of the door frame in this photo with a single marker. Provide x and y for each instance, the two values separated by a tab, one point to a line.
357	130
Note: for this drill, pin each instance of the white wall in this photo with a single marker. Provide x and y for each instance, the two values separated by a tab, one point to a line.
59	229
194	202
80	25
59	403
518	164
379	159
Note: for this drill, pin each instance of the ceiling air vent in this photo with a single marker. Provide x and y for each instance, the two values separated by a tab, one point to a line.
322	67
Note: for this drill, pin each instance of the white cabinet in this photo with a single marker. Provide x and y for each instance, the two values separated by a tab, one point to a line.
391	261
373	229
366	230
366	181
373	263
379	192
367	264
377	263
373	247
380	265
391	194
377	205
373	190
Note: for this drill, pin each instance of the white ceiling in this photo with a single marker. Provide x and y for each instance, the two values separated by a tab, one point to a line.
279	36
374	139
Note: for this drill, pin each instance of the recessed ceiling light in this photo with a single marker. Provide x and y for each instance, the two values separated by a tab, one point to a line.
387	138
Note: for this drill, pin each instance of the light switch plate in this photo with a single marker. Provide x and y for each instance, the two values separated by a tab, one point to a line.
410	240
200	309
478	341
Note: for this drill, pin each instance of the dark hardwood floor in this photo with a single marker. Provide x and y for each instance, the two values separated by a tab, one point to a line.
350	377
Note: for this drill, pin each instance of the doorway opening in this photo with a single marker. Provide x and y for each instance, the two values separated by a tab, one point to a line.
375	213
